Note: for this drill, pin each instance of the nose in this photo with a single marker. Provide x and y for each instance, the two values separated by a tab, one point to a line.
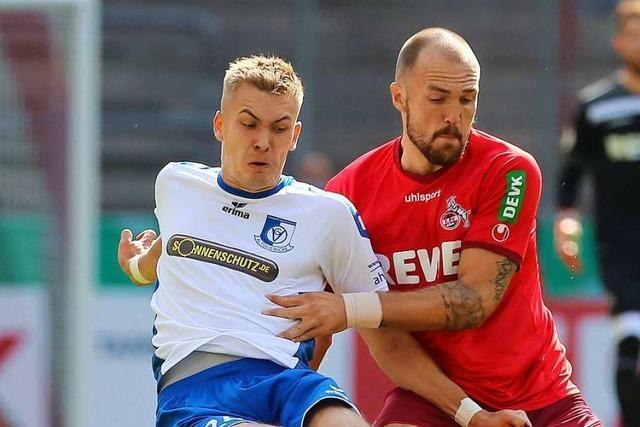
452	116
262	140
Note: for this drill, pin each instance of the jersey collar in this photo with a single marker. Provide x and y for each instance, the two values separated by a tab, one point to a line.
284	181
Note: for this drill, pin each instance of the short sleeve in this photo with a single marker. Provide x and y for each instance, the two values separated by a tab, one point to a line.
506	215
344	250
162	186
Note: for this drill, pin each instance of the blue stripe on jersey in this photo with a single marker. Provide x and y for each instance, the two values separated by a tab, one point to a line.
156	362
284	181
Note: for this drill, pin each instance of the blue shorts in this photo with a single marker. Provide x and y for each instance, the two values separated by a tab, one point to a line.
246	390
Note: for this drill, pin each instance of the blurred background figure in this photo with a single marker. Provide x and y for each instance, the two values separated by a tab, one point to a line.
604	141
315	168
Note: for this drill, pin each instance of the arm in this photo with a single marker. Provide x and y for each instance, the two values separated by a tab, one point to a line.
322	346
147	246
411	368
485	268
575	144
483	278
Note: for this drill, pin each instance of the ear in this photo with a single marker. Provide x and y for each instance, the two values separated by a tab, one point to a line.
217	126
397	97
616	44
297	130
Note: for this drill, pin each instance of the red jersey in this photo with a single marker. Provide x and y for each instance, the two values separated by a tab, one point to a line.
418	227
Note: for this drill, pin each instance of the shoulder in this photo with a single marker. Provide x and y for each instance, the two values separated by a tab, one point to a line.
187	170
319	202
500	155
598	90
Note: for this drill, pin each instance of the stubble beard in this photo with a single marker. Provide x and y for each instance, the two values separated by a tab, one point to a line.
440	157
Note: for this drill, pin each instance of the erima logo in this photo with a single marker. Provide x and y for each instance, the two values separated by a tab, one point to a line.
514	196
235	210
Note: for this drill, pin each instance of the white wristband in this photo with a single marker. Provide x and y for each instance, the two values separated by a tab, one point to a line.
135	271
364	309
467	409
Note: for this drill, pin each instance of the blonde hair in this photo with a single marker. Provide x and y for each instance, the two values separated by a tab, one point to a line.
267	73
625	11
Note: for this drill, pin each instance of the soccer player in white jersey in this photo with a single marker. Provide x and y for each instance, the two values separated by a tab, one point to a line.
232	237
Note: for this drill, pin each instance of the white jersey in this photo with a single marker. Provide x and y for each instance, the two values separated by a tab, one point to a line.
226	249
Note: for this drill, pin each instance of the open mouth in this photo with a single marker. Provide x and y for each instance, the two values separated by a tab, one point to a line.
259	164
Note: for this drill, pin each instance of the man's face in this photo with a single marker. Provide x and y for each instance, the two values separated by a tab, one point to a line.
627	44
257	130
438	99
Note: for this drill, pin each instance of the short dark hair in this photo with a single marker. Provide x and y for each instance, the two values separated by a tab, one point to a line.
408	56
448	43
625	11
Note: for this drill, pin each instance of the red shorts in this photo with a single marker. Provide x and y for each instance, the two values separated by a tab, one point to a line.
404	407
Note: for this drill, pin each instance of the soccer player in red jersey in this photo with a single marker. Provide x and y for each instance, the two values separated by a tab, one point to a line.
451	213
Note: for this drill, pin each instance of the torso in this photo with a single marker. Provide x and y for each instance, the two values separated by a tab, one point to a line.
419	227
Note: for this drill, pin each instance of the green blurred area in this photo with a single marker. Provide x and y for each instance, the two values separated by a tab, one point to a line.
558	280
23	254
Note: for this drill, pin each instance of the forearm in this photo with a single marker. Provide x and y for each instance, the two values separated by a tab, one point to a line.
411	368
320	350
451	305
483	278
569	182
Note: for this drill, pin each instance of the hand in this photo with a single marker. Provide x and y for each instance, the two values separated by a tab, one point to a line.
505	418
319	313
567	235
128	248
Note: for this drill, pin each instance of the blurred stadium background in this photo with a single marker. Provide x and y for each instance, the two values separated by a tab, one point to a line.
96	97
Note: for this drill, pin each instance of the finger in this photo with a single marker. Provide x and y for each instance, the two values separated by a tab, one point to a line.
148	236
286	301
126	235
292	313
297	332
523	416
140	234
311	333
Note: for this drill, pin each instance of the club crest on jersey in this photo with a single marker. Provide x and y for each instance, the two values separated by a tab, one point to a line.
454	215
276	234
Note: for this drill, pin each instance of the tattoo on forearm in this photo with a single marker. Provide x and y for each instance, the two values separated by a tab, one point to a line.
506	268
462	304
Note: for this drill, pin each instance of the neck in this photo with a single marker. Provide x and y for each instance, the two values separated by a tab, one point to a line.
630	79
413	161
